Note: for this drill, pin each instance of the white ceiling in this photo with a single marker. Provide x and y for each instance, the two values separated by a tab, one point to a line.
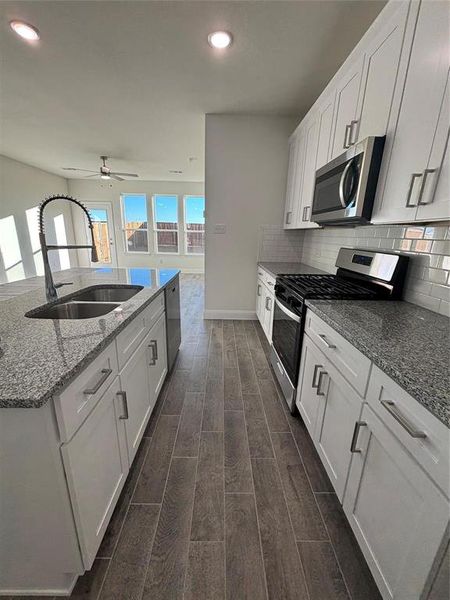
133	79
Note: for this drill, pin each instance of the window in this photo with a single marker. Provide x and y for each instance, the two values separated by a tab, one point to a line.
194	224
135	225
99	218
165	221
33	231
11	255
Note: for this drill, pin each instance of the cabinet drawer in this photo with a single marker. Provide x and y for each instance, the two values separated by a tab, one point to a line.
130	338
350	362
269	280
406	418
74	404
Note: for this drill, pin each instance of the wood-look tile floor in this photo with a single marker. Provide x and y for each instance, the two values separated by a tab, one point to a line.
226	498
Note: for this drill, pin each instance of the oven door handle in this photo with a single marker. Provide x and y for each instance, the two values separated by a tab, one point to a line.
342	182
287	312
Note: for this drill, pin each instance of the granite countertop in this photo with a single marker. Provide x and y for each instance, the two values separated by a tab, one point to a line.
407	342
288	268
38	357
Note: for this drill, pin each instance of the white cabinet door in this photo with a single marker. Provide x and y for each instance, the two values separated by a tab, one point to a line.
397	514
347	95
418	120
381	67
298	182
289	211
260	301
339	408
96	465
307	401
325	111
311	135
136	390
158	358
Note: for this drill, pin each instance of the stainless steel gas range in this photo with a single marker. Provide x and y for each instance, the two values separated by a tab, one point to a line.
361	274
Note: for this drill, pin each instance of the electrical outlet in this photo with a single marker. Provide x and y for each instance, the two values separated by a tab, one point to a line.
220	228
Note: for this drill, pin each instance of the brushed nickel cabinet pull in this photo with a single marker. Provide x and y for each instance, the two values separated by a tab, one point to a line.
123	395
400	418
414	176
105	373
422	187
323	337
353	128
154	348
314	383
358	426
346	135
319	383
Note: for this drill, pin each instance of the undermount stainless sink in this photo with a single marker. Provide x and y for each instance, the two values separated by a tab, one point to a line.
107	293
73	310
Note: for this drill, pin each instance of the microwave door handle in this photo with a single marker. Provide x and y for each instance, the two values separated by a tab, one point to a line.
342	183
287	312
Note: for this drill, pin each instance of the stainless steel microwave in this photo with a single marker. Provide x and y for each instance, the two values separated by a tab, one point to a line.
345	188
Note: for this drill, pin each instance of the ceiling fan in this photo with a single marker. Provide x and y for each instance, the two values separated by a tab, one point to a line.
104	172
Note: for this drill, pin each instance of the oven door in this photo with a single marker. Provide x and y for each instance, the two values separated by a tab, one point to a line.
286	337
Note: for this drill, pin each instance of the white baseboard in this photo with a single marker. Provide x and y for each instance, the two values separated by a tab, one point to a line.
238	315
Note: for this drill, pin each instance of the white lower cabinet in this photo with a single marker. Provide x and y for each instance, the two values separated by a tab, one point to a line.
140	382
96	465
329	406
396	512
388	460
265	299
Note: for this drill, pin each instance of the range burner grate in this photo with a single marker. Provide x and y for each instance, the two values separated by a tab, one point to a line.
326	287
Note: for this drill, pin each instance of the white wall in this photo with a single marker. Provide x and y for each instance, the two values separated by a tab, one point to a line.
245	179
101	191
22	188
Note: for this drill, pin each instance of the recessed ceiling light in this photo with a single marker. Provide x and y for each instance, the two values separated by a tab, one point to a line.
26	31
175	172
220	39
105	176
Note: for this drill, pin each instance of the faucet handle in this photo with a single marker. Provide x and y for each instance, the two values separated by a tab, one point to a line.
58	285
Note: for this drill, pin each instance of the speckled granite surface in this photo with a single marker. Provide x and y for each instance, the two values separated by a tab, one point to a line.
38	357
407	342
287	268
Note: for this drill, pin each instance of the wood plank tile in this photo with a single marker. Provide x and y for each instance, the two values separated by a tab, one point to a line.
272	407
232	390
126	574
168	561
238	475
249	383
305	516
173	403
244	564
260	364
151	482
207	517
111	536
239	328
186	355
188	437
149	430
202	348
213	407
229	346
252	338
317	475
284	576
260	445
197	376
356	573
323	576
205	577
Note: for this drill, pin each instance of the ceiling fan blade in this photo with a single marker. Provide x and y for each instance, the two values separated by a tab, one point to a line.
123	174
94	175
114	176
75	169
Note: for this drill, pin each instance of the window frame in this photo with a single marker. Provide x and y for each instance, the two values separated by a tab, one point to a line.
155	230
123	222
185	196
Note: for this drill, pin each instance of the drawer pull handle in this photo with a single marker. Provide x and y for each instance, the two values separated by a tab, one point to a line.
314	383
154	348
105	373
323	337
123	395
259	289
268	303
393	410
414	176
358	426
319	384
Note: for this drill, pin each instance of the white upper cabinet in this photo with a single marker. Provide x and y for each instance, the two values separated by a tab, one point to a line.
306	191
289	211
381	68
325	113
347	95
411	188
